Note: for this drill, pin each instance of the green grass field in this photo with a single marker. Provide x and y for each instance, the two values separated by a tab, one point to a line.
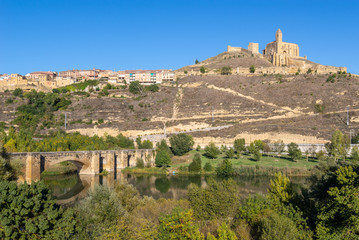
247	160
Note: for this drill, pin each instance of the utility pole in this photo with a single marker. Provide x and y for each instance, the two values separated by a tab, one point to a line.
164	129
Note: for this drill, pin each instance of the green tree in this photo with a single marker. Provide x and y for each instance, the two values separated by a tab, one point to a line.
278	147
196	62
163	159
135	87
179	225
355	154
294	151
230	153
338	146
208	167
18	92
29	212
196	164
239	145
7	171
202	69
339	217
280	189
257	154
181	143
162	146
252	69
225	168
216	201
211	150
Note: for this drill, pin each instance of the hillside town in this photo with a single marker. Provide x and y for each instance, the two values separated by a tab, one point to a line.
49	80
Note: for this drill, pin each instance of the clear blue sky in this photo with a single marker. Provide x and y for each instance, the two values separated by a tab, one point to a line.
56	35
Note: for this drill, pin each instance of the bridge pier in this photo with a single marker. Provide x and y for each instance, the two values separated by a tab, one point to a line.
33	167
109	162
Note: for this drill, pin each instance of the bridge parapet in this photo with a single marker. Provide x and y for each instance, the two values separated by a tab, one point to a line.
88	162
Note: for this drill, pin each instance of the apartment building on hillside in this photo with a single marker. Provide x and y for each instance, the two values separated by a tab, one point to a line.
146	77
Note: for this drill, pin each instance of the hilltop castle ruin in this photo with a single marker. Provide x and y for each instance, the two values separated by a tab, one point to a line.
284	54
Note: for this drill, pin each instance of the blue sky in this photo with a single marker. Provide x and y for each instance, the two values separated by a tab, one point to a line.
56	35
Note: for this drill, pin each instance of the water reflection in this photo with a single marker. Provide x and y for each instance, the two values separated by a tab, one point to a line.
69	189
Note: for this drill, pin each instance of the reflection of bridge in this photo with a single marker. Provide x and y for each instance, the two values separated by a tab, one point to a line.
88	162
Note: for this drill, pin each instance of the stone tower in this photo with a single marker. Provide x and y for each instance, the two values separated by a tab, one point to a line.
278	36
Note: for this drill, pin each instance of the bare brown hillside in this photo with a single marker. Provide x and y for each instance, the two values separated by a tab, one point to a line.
302	108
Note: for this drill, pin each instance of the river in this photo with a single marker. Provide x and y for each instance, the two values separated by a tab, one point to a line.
71	188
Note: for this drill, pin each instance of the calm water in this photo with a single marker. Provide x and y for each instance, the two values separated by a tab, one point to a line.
69	189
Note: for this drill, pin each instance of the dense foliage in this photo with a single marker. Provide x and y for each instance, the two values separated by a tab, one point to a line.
29	212
196	164
181	143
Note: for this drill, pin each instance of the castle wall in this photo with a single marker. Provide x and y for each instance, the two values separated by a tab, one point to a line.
253	47
234	49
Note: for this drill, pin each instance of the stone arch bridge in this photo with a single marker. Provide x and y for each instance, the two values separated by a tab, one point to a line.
88	162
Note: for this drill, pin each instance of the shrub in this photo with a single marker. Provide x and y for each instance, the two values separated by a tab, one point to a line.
163	159
319	108
211	150
331	78
153	88
309	71
196	62
196	164
185	71
140	163
202	69
100	121
320	155
225	168
208	167
9	101
252	69
226	71
198	148
181	143
355	154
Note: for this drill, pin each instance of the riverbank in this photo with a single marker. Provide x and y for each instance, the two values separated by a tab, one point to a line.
245	165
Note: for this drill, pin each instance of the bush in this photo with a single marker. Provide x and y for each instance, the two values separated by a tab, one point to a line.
226	71
181	144
319	108
202	70
140	163
225	169
252	69
163	159
196	62
196	164
208	167
198	148
331	78
9	101
211	150
153	88
309	71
